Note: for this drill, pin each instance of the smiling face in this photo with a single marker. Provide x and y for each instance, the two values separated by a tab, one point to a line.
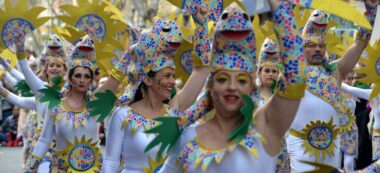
54	68
162	83
226	88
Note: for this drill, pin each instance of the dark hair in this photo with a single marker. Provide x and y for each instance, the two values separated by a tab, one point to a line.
209	85
71	72
142	86
96	72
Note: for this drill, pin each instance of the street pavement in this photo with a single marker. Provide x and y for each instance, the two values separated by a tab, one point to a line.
10	159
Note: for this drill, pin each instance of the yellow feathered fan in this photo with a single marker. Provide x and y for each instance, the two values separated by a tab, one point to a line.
262	32
340	8
372	68
104	64
301	19
210	4
17	21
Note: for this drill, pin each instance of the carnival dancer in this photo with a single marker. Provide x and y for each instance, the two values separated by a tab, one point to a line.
268	72
152	82
314	133
55	67
67	119
234	136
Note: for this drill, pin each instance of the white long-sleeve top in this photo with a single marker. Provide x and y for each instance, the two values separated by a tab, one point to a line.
10	80
35	84
13	77
24	102
234	158
126	138
16	74
65	126
365	94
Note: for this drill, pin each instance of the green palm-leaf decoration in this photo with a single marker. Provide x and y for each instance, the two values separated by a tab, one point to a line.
247	111
102	105
52	94
167	134
23	88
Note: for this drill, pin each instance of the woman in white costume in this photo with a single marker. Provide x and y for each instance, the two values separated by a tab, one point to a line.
152	85
231	138
68	121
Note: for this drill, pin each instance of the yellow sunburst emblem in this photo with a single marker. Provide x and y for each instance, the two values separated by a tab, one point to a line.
16	22
154	165
318	138
82	156
346	120
371	68
92	18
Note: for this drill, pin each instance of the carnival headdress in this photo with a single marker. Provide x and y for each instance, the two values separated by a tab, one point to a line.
83	54
315	28
92	18
53	49
269	53
233	45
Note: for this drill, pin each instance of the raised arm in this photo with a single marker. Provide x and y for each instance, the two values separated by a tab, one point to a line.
10	80
202	47
112	83
276	116
15	73
351	57
357	92
24	102
34	82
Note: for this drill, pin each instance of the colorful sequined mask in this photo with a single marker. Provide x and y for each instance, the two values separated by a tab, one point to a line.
269	53
54	48
83	54
158	44
234	41
55	45
214	7
315	27
154	51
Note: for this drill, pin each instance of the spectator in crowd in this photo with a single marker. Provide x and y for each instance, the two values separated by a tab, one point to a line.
8	130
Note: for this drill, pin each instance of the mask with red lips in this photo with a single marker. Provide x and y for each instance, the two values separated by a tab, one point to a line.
315	28
83	54
233	45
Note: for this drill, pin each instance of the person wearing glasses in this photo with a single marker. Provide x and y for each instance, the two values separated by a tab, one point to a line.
315	132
